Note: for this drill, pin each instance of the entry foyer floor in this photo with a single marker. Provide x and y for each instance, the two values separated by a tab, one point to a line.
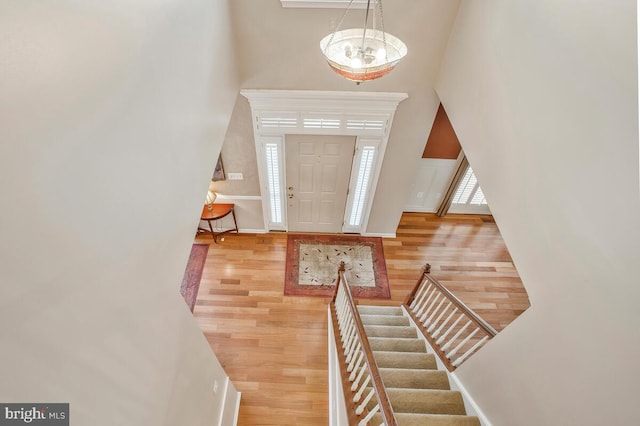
274	347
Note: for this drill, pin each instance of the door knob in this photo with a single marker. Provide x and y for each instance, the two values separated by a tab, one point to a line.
291	188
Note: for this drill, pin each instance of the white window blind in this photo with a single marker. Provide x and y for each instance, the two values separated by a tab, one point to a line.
273	181
277	122
321	123
469	191
357	124
362	184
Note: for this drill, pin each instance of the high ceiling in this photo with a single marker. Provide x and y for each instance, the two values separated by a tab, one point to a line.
278	48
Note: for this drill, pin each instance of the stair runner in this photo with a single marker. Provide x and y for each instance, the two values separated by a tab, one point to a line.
418	391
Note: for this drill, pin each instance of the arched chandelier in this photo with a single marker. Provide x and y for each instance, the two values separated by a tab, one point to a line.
363	54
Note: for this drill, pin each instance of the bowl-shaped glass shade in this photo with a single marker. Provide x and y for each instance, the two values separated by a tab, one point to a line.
349	57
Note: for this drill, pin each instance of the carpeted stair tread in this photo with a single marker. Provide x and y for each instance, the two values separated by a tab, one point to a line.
429	401
413	419
414	378
384	320
396	344
390	331
379	310
390	359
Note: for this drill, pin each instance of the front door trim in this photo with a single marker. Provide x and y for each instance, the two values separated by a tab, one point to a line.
276	113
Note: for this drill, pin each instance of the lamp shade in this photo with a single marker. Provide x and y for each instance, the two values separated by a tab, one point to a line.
361	54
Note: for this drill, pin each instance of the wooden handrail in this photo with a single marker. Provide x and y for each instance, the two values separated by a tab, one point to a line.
376	379
437	313
459	303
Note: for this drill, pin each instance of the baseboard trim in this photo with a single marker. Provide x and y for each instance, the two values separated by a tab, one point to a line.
418	209
227	197
252	231
379	234
237	413
473	406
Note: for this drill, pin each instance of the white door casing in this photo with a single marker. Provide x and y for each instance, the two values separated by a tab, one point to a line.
317	178
366	115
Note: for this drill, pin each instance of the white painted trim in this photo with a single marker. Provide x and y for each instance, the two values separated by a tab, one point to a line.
292	106
291	100
324	4
417	209
252	231
238	395
224	399
378	234
333	412
237	413
227	197
470	404
337	406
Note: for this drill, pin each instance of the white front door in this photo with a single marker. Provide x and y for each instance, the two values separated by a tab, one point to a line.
318	169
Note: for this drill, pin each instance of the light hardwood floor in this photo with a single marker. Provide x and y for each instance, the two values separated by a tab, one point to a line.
274	347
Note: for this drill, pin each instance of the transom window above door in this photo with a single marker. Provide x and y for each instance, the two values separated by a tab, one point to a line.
366	115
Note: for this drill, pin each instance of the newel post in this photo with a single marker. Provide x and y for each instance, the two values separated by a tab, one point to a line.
341	269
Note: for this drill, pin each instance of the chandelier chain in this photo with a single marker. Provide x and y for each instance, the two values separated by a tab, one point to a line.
338	26
384	35
366	22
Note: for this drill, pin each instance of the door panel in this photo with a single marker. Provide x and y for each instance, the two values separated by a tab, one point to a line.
318	169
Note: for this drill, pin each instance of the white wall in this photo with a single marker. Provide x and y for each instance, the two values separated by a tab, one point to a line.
279	50
543	96
109	115
430	184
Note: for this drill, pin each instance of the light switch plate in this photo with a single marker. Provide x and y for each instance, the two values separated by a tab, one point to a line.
235	176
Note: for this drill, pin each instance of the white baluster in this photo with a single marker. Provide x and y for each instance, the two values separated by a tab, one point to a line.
369	415
360	409
445	322
358	395
437	320
356	353
420	294
453	326
434	312
431	291
356	364
354	347
465	340
453	339
470	351
356	382
430	307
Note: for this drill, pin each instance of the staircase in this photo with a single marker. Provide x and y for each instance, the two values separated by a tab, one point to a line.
419	393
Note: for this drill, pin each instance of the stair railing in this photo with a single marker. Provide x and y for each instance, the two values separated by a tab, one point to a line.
454	331
361	378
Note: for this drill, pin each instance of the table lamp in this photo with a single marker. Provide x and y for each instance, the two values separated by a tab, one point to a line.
211	197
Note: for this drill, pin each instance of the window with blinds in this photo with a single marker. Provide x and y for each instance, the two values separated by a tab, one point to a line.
362	185
273	181
469	192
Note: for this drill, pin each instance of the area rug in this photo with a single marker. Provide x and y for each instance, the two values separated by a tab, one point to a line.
313	262
193	274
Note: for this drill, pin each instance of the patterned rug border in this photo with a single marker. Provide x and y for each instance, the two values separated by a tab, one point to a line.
193	274
291	287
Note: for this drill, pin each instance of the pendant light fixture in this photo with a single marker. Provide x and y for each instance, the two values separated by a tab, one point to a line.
363	54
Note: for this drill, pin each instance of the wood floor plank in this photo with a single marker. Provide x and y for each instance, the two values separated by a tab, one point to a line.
274	347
